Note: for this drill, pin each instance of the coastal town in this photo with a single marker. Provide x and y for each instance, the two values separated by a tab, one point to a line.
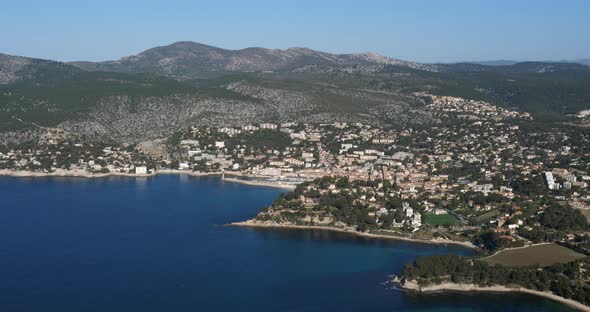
482	175
276	156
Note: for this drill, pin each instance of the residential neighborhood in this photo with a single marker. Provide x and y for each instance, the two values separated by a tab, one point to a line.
477	170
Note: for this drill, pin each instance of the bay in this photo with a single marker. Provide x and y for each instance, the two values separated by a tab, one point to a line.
160	244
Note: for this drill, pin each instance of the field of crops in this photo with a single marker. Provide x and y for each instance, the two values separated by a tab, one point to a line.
543	255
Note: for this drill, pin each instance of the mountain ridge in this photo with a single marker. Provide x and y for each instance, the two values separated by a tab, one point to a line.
151	94
187	58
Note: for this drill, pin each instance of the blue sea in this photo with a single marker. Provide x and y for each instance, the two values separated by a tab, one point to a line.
160	244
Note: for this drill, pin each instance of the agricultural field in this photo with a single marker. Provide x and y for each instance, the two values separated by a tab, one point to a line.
543	255
489	215
440	220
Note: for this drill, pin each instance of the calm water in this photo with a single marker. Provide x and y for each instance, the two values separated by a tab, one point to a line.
159	244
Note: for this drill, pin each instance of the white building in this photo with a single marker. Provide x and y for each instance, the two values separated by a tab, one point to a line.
270	172
268	126
249	128
439	211
409	212
550	180
192	153
230	131
483	187
141	170
297	135
417	220
189	142
307	155
219	144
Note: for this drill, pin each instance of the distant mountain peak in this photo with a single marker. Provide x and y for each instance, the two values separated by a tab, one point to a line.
187	58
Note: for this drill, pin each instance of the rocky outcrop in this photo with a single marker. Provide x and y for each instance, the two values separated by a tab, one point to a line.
413	285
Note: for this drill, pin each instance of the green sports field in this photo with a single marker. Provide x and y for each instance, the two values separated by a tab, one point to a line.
440	220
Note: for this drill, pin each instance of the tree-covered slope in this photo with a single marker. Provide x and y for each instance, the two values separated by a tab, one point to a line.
164	88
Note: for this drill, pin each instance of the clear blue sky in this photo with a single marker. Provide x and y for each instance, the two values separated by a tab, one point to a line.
421	30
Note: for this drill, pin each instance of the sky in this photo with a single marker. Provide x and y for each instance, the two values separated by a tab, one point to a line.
418	30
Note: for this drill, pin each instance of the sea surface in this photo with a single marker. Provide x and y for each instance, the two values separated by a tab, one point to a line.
160	244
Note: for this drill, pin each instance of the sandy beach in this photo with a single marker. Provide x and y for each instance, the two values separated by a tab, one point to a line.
496	288
250	223
260	183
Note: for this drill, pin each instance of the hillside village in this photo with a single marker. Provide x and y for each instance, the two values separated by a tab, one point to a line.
482	173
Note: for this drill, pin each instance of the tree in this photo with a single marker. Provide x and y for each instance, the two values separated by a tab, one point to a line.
342	182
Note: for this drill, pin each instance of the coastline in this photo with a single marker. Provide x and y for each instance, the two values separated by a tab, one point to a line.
453	287
252	224
85	174
258	183
68	174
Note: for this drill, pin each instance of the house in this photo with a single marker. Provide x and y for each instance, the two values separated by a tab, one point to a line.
483	188
141	170
297	135
439	211
268	126
270	172
192	153
416	219
308	201
249	128
409	212
219	144
189	142
307	155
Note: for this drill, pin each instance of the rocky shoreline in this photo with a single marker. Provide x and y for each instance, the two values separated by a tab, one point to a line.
453	287
254	224
86	174
68	173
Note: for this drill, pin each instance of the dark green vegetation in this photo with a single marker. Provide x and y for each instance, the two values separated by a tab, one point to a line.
560	218
547	90
57	92
568	280
262	140
539	255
